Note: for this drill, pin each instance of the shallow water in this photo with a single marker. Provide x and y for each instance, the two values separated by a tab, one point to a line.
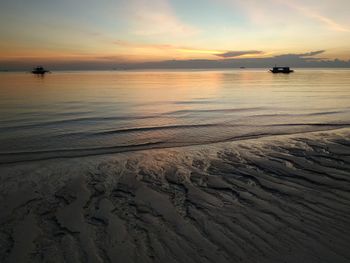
86	113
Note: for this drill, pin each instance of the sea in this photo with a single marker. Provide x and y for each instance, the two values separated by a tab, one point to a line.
84	113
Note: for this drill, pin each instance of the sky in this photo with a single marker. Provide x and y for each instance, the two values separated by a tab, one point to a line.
97	34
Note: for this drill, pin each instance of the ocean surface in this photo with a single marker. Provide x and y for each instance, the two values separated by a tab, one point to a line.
67	114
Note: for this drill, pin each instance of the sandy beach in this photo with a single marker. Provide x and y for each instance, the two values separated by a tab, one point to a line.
273	199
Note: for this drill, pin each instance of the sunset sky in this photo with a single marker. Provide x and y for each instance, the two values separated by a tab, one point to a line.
133	31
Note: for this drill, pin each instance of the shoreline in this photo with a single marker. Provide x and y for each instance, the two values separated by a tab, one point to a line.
106	151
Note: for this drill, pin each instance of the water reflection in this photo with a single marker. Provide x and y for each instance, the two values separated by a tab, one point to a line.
67	110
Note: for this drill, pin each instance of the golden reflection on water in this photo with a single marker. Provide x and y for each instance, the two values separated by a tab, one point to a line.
175	104
153	92
145	87
158	92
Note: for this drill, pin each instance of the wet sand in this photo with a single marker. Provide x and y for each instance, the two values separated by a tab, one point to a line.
274	199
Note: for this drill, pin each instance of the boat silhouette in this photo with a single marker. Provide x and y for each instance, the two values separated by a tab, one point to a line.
281	70
40	70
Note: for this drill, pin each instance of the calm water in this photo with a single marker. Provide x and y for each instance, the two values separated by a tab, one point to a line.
86	113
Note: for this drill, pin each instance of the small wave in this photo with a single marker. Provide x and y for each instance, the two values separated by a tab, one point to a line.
26	156
226	128
77	120
190	102
328	112
309	124
215	110
155	128
300	114
215	125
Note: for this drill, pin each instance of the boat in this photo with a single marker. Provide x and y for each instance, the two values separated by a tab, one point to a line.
281	70
40	70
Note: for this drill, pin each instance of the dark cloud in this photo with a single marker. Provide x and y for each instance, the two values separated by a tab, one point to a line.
304	60
313	53
308	56
232	54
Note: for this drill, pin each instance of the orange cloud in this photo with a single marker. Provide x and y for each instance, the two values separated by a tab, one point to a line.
169	49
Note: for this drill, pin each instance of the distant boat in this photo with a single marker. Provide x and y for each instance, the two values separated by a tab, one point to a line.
281	70
40	70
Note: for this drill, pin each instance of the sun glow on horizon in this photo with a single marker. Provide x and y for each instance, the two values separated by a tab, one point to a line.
138	31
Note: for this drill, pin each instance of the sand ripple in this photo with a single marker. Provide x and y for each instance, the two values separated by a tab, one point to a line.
278	199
